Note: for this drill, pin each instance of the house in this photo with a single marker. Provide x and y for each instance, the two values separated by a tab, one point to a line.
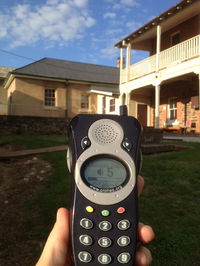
3	94
59	88
163	90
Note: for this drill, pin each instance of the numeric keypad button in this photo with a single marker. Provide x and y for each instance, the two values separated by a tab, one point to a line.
104	242
123	241
84	256
105	226
123	225
104	259
124	257
86	240
86	223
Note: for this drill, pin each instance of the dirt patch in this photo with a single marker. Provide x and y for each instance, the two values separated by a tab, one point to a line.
20	181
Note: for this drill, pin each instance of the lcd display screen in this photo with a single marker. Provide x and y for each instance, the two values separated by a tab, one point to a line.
105	173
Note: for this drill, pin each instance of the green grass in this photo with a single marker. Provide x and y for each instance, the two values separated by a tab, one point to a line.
33	142
170	203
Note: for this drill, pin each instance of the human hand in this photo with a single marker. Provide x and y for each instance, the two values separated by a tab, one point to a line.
57	248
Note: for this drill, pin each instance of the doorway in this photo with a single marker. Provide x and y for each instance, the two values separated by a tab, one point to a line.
142	114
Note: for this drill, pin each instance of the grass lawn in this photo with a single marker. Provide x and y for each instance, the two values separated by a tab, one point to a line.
33	142
170	201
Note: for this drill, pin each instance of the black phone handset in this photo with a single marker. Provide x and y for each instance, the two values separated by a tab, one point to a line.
104	160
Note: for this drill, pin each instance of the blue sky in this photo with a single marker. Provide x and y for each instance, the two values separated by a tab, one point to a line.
77	30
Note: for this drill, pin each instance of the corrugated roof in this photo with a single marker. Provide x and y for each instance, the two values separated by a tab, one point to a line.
69	70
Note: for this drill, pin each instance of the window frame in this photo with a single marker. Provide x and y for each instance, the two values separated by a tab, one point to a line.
49	98
172	109
84	101
112	106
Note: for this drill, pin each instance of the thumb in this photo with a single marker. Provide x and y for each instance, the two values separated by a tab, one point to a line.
56	250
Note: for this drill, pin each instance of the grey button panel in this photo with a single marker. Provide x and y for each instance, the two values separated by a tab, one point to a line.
124	257
123	241
105	242
105	226
86	240
123	225
104	259
86	223
84	256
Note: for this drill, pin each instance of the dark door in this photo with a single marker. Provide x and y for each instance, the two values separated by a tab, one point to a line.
142	114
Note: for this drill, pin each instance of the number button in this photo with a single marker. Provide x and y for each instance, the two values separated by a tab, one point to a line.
86	223
84	256
104	242
124	257
105	226
104	259
123	241
123	225
86	240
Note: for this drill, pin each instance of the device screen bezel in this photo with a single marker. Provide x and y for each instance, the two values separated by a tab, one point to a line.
104	190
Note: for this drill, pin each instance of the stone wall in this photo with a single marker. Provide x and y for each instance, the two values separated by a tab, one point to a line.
152	135
27	125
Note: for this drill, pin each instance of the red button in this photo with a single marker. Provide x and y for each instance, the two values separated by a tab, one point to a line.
121	210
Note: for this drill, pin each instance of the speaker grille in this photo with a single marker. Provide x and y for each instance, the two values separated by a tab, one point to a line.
106	131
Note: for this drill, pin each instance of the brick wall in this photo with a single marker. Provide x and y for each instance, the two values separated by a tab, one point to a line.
27	125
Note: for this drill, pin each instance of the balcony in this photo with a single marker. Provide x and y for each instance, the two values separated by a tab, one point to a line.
177	54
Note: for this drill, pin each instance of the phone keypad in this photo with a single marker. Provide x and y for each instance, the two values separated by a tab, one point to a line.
103	240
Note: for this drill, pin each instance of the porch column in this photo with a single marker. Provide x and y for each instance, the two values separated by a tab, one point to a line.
199	90
157	102
128	101
121	63
128	60
158	44
198	74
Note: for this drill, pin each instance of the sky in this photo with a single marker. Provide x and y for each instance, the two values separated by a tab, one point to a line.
76	30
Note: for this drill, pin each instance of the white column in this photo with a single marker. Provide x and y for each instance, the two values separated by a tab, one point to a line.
121	63
128	60
157	104
198	74
158	45
128	101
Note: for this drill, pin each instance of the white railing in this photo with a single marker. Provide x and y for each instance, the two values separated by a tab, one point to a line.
180	52
167	58
144	67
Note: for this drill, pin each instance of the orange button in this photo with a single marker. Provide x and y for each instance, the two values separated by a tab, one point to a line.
121	210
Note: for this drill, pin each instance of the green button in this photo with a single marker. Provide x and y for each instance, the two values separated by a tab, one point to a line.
105	213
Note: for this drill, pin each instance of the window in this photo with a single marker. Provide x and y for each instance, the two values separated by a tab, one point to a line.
49	97
112	105
175	38
173	108
84	101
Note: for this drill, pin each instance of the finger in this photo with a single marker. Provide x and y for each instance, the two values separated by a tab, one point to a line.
145	233
143	257
55	250
140	184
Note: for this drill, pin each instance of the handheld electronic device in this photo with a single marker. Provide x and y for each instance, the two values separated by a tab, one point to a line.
104	160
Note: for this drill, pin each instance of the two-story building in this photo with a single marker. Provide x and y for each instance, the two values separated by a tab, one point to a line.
163	90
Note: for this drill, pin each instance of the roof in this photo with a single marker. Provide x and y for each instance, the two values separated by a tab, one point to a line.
179	7
69	70
4	71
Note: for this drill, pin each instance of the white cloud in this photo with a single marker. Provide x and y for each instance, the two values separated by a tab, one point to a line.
109	15
125	3
53	22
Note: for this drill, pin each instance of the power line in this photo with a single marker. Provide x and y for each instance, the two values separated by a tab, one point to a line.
21	56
